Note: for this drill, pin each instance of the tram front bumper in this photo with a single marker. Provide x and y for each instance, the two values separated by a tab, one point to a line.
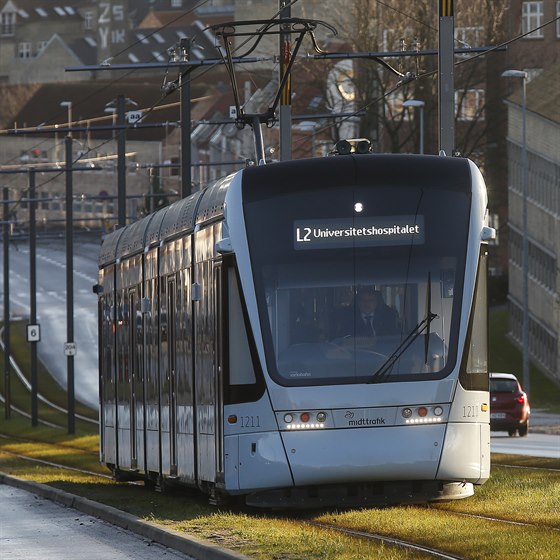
364	454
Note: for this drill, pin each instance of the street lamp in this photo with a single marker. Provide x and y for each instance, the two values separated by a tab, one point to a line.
420	105
525	255
68	105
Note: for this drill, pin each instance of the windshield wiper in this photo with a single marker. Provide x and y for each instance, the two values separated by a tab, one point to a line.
408	340
429	308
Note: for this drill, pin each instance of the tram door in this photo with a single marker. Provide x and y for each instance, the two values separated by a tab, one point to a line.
172	372
133	375
205	362
221	317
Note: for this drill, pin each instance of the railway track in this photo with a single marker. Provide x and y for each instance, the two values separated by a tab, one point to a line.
406	545
27	385
403	544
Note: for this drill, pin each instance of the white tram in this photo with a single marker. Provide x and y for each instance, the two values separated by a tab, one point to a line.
223	360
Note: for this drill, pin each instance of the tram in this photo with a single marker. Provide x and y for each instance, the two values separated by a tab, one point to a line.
231	357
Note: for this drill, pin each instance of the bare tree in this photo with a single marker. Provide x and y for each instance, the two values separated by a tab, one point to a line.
382	84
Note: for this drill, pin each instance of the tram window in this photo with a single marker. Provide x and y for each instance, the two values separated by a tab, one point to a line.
311	255
241	370
474	376
316	330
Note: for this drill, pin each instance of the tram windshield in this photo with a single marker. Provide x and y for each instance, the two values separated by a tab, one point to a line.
359	284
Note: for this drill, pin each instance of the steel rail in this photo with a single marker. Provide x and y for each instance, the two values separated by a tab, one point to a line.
435	553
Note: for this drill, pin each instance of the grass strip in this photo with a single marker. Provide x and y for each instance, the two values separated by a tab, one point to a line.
47	386
521	495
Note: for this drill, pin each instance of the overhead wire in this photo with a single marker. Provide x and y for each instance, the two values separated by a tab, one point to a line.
147	112
400	84
433	72
125	74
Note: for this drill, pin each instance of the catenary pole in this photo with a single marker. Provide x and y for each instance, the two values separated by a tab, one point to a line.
33	293
446	92
285	116
185	93
6	330
69	348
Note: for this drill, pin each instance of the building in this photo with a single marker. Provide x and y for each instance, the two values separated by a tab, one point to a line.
543	217
31	142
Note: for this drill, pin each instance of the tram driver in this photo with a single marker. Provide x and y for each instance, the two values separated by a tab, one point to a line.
370	317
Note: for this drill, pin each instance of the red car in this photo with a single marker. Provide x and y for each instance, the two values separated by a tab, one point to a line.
509	406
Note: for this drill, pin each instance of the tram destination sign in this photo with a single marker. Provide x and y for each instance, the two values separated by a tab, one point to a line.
380	231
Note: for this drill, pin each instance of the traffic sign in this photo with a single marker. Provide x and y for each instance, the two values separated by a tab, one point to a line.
133	116
70	348
33	333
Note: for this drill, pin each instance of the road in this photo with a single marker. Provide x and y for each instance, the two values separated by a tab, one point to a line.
34	528
543	439
536	445
51	309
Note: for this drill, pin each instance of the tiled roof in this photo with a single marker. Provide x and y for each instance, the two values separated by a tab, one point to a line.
33	10
89	100
150	45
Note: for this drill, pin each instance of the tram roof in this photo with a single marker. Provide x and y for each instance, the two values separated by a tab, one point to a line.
179	218
108	251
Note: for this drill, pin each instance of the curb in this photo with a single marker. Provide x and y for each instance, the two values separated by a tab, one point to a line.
198	549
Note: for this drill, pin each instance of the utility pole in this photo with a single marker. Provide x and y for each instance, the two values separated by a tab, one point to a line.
185	93
121	163
7	349
286	94
69	347
446	101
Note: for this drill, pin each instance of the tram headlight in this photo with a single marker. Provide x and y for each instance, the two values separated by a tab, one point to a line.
423	414
305	421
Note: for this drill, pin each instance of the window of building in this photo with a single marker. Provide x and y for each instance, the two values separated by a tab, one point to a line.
44	198
532	16
541	264
542	189
55	202
88	20
40	46
24	50
395	106
470	36
176	3
543	342
470	104
7	23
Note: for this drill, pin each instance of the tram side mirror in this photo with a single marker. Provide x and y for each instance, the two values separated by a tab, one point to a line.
223	246
97	289
488	234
